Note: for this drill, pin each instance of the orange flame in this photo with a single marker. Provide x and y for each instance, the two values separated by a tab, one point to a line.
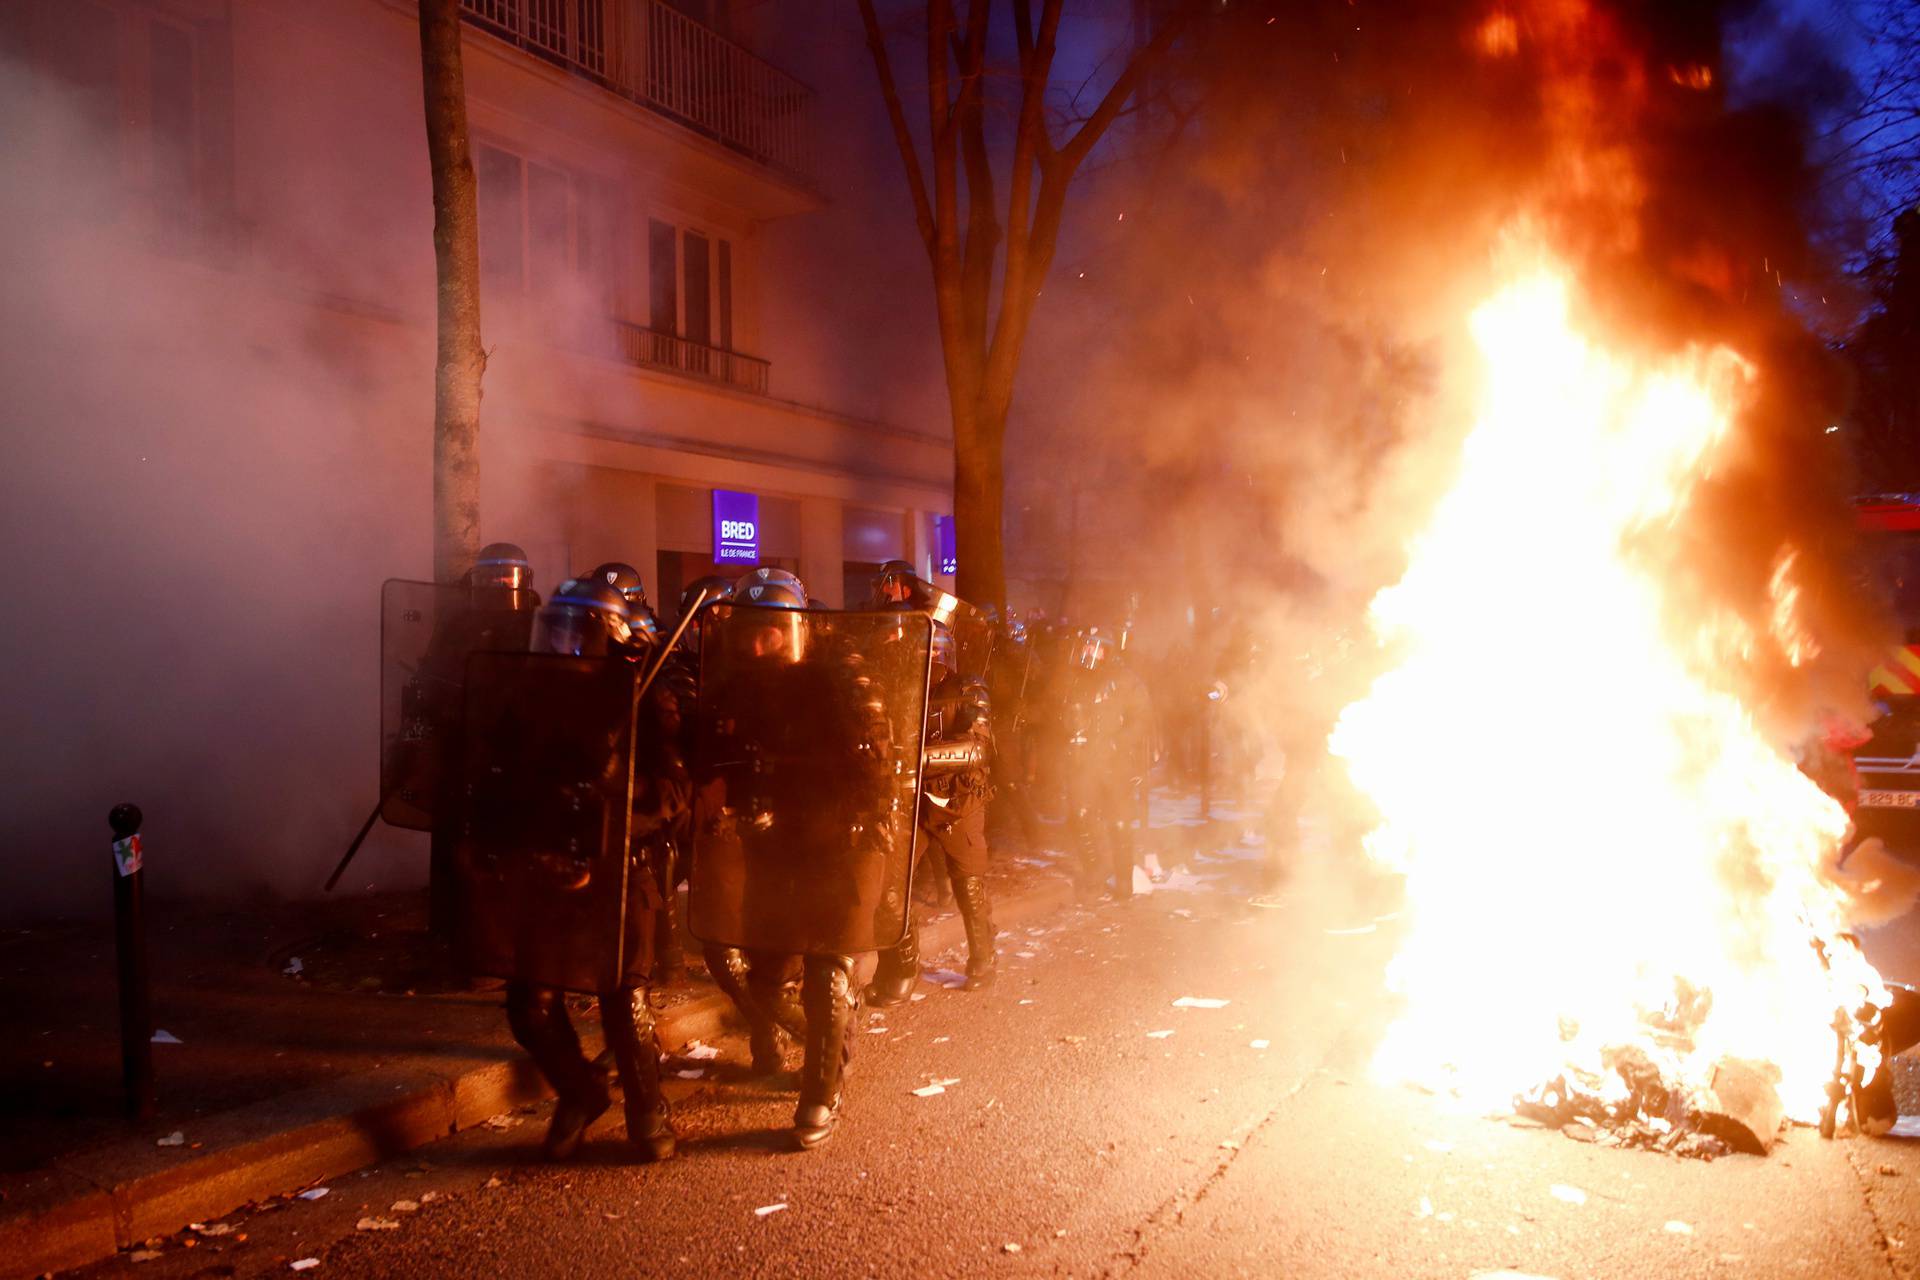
1589	820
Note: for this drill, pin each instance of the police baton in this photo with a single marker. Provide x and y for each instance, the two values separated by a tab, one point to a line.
130	949
704	597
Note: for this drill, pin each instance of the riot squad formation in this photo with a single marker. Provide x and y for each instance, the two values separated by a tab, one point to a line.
807	775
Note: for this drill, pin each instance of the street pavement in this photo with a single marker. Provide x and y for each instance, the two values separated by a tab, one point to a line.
1090	1127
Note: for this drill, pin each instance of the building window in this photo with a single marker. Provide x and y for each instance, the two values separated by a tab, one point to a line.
663	298
148	90
503	230
725	290
545	232
699	290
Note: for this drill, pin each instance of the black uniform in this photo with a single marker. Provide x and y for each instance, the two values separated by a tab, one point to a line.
1011	678
1109	751
953	817
537	1013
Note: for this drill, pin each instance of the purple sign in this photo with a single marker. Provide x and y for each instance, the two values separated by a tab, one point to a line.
949	544
736	527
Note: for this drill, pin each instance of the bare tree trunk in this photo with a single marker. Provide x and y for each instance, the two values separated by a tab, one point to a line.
460	360
979	496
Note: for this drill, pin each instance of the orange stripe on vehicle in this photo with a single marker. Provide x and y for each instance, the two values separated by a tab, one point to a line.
1909	657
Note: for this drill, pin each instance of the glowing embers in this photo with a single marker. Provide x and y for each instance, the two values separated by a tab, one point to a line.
1600	848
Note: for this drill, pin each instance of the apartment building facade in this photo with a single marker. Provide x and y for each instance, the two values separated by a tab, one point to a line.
236	333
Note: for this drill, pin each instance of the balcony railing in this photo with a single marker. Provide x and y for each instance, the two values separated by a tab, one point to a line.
652	349
649	53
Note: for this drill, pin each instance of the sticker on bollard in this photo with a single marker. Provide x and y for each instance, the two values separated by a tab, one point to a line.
126	855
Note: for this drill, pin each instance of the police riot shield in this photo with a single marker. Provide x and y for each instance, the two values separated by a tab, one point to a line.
427	630
807	741
540	818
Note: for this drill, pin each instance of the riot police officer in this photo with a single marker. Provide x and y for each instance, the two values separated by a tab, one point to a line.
589	619
1011	681
811	772
1109	749
893	585
622	577
953	817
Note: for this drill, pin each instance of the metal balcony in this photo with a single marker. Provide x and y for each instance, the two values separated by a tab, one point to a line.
637	344
649	53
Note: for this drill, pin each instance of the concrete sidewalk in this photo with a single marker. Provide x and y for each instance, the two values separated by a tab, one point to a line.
358	1076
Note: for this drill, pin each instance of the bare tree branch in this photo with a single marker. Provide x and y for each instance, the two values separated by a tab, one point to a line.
896	114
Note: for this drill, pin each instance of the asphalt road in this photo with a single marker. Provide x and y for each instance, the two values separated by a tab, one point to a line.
1077	1137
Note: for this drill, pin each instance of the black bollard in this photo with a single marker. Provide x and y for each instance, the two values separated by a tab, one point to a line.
130	947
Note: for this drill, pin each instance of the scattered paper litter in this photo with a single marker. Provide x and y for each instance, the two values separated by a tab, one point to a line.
293	967
1572	1195
143	1255
428	1197
404	1206
941	1039
1425	1209
692	1073
876	1031
1678	1228
1159	1035
1228	1144
775	1207
502	1122
314	1193
303	1264
493	1182
1199	1002
1024	955
699	1051
174	1139
377	1224
918	995
163	1036
213	1228
1256	1044
944	978
929	1090
1026	1002
1009	1247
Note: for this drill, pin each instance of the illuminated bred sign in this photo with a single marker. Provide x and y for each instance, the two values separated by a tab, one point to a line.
736	527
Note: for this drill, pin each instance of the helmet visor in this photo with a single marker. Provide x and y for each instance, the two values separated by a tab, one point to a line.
580	633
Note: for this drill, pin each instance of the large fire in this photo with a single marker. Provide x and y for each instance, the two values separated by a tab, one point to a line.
1600	845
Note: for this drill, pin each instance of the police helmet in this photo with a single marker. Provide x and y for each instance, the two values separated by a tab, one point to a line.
1093	647
714	588
643	622
945	652
895	583
771	588
501	564
585	618
622	577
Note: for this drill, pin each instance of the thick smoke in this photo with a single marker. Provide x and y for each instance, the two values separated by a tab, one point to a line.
1286	301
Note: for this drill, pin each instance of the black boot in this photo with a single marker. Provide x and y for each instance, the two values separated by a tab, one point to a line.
827	992
732	972
538	1018
627	1021
899	971
976	914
